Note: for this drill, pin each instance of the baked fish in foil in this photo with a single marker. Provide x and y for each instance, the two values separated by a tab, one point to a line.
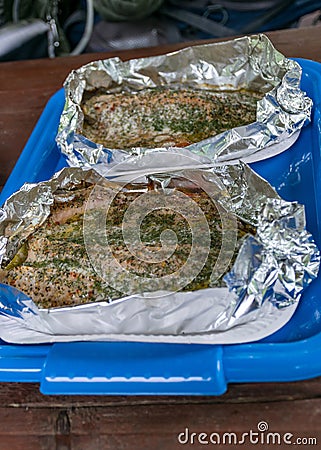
164	117
53	268
204	256
221	102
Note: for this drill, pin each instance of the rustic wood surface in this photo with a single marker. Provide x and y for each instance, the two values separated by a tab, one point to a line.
29	420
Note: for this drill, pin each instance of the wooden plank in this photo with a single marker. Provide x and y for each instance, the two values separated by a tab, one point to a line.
22	442
154	426
123	420
27	395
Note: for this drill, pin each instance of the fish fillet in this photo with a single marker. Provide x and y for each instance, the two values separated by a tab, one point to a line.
163	117
53	267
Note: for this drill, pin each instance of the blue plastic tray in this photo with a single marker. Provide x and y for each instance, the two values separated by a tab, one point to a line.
292	353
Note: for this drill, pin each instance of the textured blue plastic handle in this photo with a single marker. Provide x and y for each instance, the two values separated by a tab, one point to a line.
133	368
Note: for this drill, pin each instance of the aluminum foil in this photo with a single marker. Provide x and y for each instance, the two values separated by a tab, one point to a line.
262	289
250	63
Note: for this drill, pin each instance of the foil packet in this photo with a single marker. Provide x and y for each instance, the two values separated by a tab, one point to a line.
262	291
247	63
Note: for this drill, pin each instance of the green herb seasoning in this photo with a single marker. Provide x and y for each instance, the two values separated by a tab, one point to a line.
53	267
163	117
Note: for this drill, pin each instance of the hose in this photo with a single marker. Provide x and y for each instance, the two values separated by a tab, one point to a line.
80	47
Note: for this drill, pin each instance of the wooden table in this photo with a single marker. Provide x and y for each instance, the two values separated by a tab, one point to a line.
29	420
